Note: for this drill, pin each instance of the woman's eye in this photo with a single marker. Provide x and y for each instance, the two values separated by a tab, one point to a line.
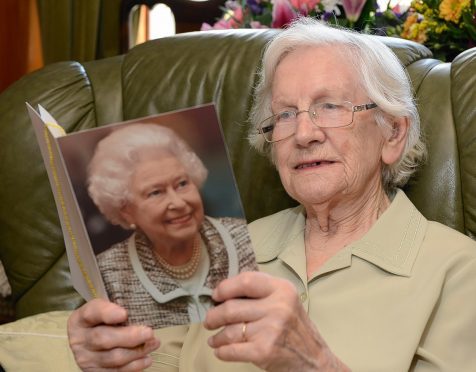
155	192
183	183
285	116
330	106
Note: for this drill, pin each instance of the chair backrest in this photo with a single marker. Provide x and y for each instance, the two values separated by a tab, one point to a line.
184	71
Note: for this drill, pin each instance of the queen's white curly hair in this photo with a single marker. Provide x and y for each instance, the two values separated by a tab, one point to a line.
117	155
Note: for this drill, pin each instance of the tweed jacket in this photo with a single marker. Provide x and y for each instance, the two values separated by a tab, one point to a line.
125	288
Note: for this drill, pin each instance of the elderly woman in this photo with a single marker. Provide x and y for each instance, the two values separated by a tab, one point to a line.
356	278
146	179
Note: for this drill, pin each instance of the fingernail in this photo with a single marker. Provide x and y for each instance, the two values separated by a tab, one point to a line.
156	343
152	344
146	332
147	361
210	341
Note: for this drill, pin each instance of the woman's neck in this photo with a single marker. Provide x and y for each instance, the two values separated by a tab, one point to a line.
175	254
333	225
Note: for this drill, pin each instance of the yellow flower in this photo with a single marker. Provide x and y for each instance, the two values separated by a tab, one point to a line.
407	26
413	30
422	31
428	13
450	10
441	28
419	6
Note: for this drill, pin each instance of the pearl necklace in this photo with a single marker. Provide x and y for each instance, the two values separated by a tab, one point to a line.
186	270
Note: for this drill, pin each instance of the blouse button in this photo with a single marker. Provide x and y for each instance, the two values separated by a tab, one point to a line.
303	296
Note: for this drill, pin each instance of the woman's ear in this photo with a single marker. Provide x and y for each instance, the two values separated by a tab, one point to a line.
395	144
126	214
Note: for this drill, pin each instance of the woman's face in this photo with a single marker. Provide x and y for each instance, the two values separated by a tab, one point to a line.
324	165
165	204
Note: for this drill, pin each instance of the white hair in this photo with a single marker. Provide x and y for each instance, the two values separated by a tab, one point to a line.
381	75
115	159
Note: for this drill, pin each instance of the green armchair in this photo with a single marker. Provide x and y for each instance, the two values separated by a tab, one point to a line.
183	71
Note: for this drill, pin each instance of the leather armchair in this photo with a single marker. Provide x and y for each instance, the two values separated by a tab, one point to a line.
183	71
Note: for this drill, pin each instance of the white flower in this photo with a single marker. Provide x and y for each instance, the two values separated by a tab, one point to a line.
331	6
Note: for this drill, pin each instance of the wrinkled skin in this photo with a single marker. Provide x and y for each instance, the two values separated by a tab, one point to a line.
335	173
100	343
279	335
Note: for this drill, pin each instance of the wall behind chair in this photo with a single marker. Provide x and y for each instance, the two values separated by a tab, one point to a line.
20	44
34	33
79	30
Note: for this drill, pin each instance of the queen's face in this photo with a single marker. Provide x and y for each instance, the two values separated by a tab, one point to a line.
164	203
324	165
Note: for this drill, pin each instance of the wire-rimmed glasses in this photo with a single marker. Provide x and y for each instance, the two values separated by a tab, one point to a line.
324	115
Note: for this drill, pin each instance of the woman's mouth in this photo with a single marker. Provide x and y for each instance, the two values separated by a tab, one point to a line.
313	164
180	220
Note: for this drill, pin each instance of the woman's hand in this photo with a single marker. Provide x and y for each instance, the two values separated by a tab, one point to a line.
100	343
264	323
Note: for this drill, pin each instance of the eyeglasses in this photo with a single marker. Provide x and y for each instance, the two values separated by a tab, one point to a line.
324	115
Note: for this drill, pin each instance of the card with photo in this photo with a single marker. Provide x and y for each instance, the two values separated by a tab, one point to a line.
150	211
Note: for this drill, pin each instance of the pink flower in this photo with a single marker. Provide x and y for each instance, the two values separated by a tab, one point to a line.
283	13
206	27
233	18
400	7
219	25
304	6
353	8
256	24
236	18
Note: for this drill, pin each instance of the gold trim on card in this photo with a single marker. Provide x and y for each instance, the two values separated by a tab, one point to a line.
54	125
65	212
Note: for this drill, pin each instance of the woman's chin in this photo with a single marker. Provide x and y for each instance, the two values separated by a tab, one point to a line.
309	194
184	231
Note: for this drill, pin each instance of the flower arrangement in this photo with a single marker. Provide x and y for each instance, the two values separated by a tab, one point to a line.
447	27
278	13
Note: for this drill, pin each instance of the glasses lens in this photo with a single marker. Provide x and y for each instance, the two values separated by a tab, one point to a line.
267	129
331	114
323	115
279	126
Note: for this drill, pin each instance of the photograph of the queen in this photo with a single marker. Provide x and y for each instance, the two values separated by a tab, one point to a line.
147	179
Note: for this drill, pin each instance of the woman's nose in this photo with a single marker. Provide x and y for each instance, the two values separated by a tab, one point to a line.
175	201
306	131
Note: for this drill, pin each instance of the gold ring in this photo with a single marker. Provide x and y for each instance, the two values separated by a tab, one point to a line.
243	332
